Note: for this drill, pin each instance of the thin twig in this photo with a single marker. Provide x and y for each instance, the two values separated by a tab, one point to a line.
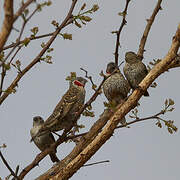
18	49
147	29
3	74
21	9
156	116
30	38
91	164
7	165
90	78
124	13
20	35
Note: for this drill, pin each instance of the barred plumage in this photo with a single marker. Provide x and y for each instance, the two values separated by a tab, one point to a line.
44	141
134	70
63	116
116	86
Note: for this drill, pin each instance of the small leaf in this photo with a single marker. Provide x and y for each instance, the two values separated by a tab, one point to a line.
95	7
121	13
54	23
7	66
34	30
159	124
166	103
114	32
86	18
171	102
83	6
26	41
94	86
67	36
77	24
172	109
89	107
170	130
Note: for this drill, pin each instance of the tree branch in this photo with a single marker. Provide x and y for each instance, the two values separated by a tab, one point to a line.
7	23
7	165
124	13
147	29
21	9
30	38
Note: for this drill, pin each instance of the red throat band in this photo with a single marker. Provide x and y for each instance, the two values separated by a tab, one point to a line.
78	83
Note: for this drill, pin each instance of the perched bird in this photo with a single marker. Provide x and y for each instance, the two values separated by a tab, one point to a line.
44	141
63	116
115	87
134	70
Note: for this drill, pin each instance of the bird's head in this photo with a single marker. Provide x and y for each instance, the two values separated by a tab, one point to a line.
131	57
79	82
111	67
37	120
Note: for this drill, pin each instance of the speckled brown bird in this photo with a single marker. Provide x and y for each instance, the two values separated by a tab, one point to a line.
116	87
63	116
134	70
44	141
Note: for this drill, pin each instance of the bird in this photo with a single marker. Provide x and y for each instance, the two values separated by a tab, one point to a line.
64	115
134	70
115	87
44	141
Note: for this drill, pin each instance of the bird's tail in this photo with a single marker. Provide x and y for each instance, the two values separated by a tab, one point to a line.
146	93
53	157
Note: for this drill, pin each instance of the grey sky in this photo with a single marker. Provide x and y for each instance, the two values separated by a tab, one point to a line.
141	152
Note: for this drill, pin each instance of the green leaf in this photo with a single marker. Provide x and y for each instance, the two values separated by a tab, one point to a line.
95	7
166	103
83	6
171	102
67	36
34	30
77	24
86	18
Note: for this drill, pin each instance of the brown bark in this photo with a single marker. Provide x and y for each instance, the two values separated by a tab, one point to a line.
7	23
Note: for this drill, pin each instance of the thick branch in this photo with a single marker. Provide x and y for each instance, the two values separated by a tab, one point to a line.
37	59
147	29
7	23
92	148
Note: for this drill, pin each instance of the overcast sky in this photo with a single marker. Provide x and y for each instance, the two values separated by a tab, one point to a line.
143	151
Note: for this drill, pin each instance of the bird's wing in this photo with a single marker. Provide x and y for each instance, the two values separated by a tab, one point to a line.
64	106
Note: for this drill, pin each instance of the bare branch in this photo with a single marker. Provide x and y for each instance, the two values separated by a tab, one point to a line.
7	23
30	38
21	9
147	29
100	162
124	13
20	35
90	78
7	165
3	74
